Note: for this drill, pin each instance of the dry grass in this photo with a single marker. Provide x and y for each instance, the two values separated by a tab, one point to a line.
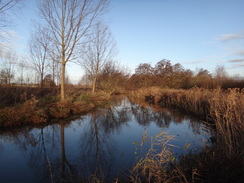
159	164
222	108
36	111
153	167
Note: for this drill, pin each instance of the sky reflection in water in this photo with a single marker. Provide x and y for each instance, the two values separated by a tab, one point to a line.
105	142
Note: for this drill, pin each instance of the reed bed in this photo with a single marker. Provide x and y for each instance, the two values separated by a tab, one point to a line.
224	109
153	167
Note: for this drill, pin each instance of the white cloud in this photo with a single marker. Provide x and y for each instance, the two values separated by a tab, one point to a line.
10	35
231	37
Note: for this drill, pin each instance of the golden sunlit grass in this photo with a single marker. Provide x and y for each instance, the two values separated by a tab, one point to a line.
222	108
152	167
159	164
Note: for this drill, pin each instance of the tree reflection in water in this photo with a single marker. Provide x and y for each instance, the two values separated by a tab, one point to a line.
87	148
97	147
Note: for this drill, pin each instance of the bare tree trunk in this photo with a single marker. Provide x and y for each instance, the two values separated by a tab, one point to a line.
63	82
94	84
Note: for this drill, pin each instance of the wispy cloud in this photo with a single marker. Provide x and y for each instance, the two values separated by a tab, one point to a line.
9	35
239	53
236	61
237	66
231	36
196	62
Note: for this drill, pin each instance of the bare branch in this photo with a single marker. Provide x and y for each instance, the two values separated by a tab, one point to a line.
99	50
69	22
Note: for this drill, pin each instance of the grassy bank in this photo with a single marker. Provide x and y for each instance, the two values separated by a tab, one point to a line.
224	109
43	109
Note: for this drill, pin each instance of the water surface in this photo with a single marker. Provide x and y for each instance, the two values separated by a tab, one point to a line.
105	143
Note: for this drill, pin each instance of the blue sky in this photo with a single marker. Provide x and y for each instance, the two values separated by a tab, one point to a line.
194	33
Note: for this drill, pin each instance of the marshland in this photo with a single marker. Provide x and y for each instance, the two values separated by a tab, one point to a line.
75	109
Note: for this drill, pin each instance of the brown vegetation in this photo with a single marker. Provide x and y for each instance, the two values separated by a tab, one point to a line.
167	75
153	167
222	108
38	110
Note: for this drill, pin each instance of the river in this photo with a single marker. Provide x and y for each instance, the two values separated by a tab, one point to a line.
105	143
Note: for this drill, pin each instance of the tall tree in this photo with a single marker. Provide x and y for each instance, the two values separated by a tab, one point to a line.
67	22
99	50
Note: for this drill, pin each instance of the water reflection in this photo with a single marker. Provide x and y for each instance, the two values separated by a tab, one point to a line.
99	144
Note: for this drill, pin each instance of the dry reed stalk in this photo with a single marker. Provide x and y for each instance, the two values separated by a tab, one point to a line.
223	108
228	114
153	167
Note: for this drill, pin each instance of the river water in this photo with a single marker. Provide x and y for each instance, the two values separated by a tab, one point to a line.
105	143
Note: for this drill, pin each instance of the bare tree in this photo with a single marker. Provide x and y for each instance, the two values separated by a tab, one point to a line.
85	80
23	71
113	77
99	50
38	48
220	75
8	62
68	21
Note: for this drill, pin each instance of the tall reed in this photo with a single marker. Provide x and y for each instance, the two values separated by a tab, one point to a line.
223	108
154	165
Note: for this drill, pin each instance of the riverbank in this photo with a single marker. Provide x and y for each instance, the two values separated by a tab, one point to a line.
224	162
42	110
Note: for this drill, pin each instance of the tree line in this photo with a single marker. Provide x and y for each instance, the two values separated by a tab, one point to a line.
167	75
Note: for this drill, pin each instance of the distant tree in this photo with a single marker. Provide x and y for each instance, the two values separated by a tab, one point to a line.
220	75
143	75
23	71
187	79
113	77
178	68
163	68
144	69
86	80
8	62
163	73
98	51
47	81
177	76
203	78
38	53
67	23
